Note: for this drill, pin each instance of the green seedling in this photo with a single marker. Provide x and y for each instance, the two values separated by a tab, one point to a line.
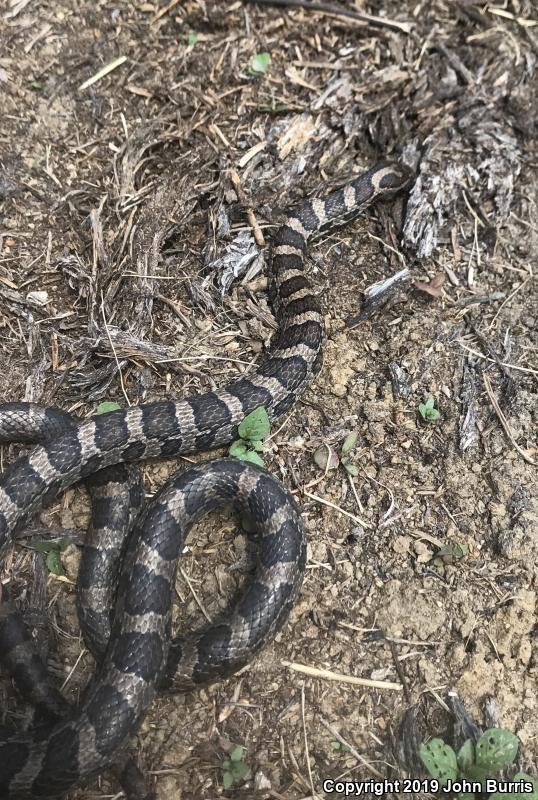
234	768
427	410
494	751
259	63
253	432
450	554
338	747
53	552
106	406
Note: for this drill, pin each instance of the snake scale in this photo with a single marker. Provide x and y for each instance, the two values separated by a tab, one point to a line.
138	655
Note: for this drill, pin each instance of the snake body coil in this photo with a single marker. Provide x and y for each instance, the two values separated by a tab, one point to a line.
138	658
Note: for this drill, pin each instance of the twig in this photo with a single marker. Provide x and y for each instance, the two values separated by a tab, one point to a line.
510	296
476	299
354	490
489	349
73	668
503	420
175	307
306	748
350	747
330	8
456	63
338	676
118	365
102	72
324	502
194	594
399	670
163	11
253	222
494	361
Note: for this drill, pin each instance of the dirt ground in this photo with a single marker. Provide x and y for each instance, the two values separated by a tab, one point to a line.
119	227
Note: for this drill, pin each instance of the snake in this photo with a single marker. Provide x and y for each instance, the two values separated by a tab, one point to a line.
140	656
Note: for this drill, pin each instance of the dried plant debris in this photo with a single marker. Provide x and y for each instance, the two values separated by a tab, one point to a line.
380	294
468	433
464	726
434	288
242	258
471	146
399	381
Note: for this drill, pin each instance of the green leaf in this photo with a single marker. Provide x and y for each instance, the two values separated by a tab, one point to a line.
106	406
256	426
253	457
440	760
351	469
240	770
519	795
257	445
237	753
466	756
427	410
523	776
349	442
452	552
54	563
227	780
335	744
37	85
43	546
338	746
237	449
496	749
260	62
476	772
241	450
192	37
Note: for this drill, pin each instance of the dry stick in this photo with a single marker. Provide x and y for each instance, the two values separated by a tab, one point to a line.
174	306
118	365
486	345
338	676
513	294
252	221
457	65
399	670
102	72
194	594
163	11
330	8
306	749
503	420
494	361
73	668
325	502
351	749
